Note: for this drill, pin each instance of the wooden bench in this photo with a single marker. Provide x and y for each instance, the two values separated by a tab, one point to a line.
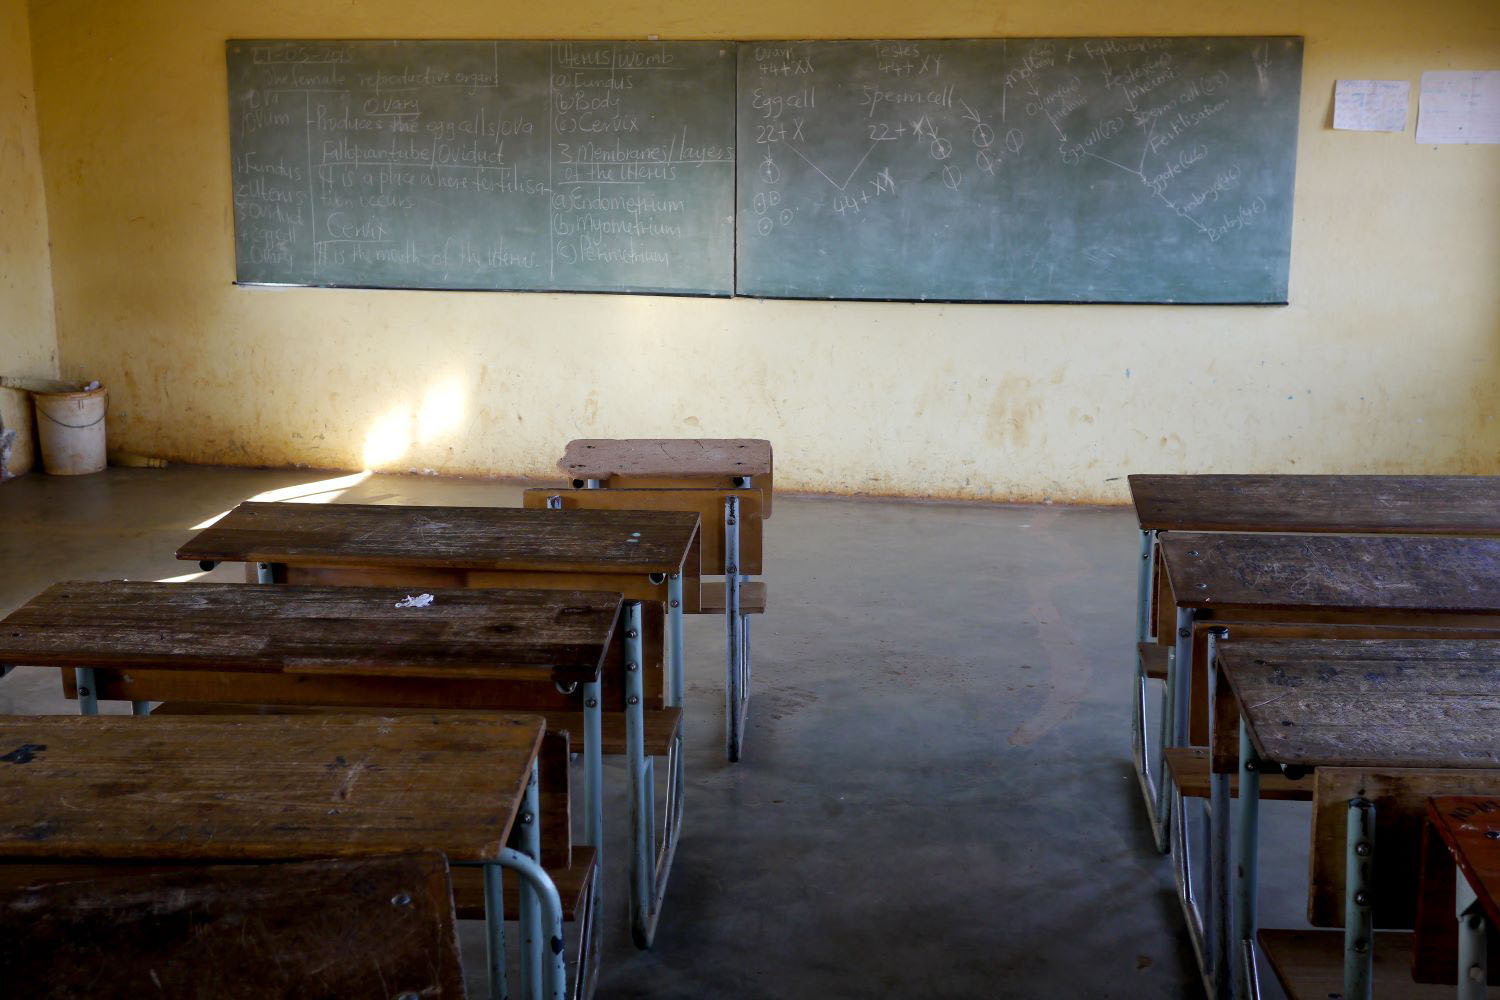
730	543
649	557
378	926
1409	505
1378	725
1458	908
122	791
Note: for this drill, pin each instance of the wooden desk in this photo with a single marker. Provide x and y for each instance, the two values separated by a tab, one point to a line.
379	926
1295	706
1459	904
644	555
284	788
198	645
623	463
1410	505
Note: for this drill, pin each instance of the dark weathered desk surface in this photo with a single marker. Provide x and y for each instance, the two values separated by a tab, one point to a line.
466	538
267	788
376	927
1400	573
1368	702
540	635
1470	827
602	458
1409	505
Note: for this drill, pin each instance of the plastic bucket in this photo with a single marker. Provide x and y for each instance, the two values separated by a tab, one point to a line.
70	430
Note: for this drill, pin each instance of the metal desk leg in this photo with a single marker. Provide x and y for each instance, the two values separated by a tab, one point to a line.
1140	745
1359	905
1204	919
1473	954
264	573
140	708
1220	931
88	693
1247	873
526	838
734	735
643	911
676	679
494	926
546	925
593	791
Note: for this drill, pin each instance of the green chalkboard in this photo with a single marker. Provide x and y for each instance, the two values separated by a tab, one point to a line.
577	166
1034	170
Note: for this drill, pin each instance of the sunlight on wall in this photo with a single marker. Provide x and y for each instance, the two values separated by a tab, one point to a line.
389	438
442	411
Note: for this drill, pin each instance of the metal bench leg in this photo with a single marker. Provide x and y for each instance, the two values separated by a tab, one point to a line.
1473	954
140	708
745	665
1148	770
1203	916
1187	885
1219	920
545	925
265	573
1359	905
733	646
1247	872
88	693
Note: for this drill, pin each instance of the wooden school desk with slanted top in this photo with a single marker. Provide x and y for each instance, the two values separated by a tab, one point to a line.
1380	725
376	926
729	483
1457	939
200	645
650	557
109	791
1406	505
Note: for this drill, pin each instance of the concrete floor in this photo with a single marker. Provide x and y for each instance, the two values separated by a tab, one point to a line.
936	798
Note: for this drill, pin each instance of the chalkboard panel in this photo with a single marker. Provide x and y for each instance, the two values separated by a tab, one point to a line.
581	166
1046	169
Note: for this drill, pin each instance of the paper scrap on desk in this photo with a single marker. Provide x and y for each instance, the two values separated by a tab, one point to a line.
1459	107
420	601
1371	105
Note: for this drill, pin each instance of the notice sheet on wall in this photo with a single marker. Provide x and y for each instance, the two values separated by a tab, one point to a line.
1371	105
1459	107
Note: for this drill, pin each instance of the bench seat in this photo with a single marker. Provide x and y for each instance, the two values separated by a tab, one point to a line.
712	599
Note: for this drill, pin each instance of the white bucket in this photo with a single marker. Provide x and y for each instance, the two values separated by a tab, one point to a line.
70	430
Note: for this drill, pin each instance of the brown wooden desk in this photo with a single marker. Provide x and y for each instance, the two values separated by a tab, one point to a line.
643	555
1411	505
1366	717
1458	909
655	463
111	790
379	926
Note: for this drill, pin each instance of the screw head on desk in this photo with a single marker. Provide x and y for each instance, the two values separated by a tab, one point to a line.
1182	633
1362	946
731	569
1362	848
631	633
401	899
591	703
526	818
630	665
676	603
632	700
1361	898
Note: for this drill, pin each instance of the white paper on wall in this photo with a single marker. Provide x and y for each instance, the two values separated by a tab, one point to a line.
1371	105
1459	106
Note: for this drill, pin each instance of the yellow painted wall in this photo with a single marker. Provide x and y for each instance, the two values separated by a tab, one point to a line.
28	336
1386	359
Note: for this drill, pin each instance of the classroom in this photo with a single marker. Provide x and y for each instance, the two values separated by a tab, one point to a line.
410	414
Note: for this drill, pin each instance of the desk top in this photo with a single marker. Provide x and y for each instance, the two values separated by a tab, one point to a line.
262	788
601	458
390	921
1409	505
1410	573
1470	827
1368	702
467	538
524	635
